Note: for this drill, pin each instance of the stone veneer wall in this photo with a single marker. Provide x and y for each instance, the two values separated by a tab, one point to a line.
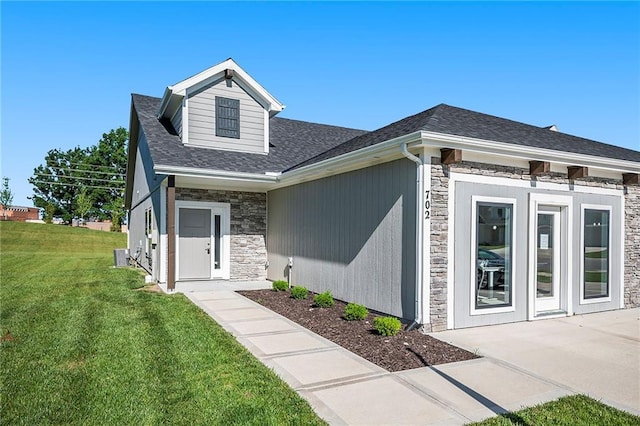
632	247
439	228
248	228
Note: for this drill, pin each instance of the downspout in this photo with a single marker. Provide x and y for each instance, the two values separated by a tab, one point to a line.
419	234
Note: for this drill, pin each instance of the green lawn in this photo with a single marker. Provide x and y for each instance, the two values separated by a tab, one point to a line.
575	410
88	348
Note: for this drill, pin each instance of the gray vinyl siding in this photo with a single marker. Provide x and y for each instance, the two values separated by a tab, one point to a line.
145	195
176	121
145	179
202	119
353	234
463	288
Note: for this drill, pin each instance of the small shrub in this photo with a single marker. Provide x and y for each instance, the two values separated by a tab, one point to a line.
355	312
387	326
299	292
280	285
323	300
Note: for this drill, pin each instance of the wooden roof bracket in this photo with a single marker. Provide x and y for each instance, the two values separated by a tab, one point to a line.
577	172
537	168
450	156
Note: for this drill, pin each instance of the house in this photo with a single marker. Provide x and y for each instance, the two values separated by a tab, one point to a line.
449	218
19	213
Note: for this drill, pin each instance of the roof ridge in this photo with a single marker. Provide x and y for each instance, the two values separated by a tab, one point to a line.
319	124
369	134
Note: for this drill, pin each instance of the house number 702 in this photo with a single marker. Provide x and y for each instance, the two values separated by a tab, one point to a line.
427	205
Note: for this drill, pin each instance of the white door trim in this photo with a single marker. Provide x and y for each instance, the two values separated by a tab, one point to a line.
566	219
554	302
222	209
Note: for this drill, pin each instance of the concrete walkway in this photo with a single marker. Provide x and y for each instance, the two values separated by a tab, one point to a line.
521	366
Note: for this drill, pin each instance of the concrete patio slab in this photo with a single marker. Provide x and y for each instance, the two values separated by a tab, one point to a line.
272	325
380	401
286	342
482	388
594	354
318	368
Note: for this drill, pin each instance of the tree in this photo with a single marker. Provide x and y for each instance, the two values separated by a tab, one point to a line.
6	196
84	203
99	169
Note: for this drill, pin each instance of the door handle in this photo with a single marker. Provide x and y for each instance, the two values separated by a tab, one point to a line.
208	250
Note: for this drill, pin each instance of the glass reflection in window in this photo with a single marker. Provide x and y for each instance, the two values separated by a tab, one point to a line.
596	253
494	232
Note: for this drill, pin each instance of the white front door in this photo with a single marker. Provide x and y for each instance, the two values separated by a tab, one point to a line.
194	242
547	263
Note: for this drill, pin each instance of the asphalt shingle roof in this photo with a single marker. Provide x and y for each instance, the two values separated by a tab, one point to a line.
295	144
462	122
291	142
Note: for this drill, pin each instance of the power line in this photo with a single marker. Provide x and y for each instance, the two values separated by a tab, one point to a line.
95	165
72	184
87	171
83	178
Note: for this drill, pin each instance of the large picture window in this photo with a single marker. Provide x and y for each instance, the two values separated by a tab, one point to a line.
493	255
596	252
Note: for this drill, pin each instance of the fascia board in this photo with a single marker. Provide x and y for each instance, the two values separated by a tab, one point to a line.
218	174
442	140
216	72
165	101
132	152
344	161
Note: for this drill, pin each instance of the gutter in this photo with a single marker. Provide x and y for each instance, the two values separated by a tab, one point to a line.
419	235
199	172
441	140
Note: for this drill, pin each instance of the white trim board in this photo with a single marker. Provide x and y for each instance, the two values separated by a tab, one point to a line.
224	209
475	199
564	202
583	301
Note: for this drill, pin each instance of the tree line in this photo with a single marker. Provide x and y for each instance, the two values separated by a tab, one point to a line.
84	183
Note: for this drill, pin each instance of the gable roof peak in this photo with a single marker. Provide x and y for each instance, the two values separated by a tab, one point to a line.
176	92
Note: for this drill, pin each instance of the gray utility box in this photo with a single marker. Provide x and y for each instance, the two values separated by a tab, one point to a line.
121	258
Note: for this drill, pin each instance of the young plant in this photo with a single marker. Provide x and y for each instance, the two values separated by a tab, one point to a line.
355	312
387	326
299	292
324	300
280	285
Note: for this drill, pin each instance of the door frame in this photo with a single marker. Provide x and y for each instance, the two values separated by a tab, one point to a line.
565	203
554	302
222	209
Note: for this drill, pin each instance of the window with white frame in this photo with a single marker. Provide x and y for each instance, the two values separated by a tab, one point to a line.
596	252
493	253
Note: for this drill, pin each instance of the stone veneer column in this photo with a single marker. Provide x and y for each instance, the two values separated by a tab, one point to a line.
632	247
439	246
248	228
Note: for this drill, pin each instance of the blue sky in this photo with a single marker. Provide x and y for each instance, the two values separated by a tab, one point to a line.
68	69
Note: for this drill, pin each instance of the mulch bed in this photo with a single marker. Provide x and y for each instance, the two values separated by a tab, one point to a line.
406	350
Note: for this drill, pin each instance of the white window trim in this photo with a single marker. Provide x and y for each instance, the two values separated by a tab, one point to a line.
594	300
564	202
475	199
224	209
